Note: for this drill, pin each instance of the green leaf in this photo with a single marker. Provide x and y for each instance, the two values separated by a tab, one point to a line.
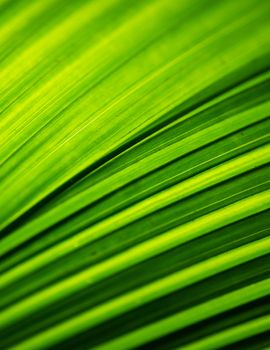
134	174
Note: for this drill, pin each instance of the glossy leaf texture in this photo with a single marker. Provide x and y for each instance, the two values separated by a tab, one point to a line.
134	174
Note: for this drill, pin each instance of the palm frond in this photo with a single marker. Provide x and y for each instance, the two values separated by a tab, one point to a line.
134	174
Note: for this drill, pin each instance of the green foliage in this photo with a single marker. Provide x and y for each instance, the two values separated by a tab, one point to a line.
134	174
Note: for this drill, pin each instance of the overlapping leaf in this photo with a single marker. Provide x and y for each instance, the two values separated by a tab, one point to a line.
134	178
